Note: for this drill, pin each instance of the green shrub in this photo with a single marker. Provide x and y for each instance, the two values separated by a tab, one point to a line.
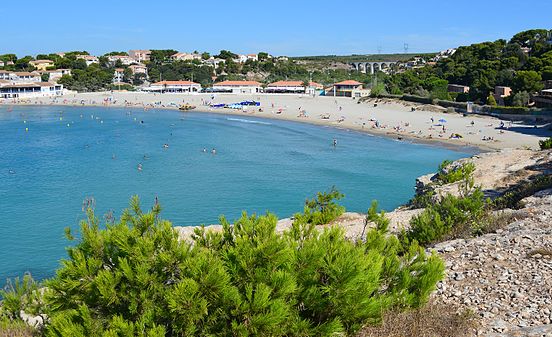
136	278
545	144
322	209
452	215
20	295
449	174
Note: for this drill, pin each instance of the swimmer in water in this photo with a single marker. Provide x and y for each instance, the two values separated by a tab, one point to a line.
165	146
146	157
11	171
140	167
213	151
335	142
204	150
113	156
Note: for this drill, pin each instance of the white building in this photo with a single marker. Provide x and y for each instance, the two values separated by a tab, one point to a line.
20	76
185	57
31	90
1	63
238	87
54	75
174	87
125	60
118	75
140	55
89	59
214	62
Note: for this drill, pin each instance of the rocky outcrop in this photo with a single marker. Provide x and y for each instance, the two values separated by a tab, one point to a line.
505	277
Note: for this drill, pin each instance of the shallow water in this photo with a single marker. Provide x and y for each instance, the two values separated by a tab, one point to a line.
69	154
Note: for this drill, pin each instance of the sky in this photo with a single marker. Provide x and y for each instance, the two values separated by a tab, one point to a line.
280	27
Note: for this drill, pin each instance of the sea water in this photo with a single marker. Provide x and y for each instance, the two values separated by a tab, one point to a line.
53	158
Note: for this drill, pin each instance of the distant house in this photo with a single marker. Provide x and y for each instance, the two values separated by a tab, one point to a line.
241	59
125	60
464	89
89	59
118	75
500	93
291	87
344	88
31	90
253	57
42	64
1	63
238	87
214	61
174	87
54	75
25	77
140	55
185	57
138	69
544	98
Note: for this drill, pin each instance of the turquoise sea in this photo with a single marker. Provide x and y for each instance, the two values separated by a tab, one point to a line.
69	154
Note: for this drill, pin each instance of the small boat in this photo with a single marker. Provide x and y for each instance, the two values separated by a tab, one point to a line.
186	107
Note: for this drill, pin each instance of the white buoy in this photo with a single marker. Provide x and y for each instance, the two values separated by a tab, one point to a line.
26	129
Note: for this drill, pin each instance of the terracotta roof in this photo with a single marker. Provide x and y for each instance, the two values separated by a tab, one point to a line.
25	73
41	61
238	83
120	70
348	82
292	84
27	85
175	83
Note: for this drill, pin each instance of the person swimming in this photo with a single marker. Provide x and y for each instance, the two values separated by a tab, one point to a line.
204	150
11	171
165	146
146	157
334	142
140	167
213	151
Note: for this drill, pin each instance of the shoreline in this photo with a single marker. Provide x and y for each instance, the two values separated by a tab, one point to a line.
412	123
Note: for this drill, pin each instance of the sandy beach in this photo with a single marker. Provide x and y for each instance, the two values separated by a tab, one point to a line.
400	120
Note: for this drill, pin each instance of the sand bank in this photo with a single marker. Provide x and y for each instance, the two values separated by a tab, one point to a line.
393	119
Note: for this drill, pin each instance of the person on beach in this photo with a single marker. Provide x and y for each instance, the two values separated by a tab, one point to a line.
432	120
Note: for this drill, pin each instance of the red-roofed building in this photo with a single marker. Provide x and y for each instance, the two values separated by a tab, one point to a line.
344	88
238	87
292	87
175	87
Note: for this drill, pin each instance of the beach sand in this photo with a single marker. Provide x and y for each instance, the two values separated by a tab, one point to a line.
389	118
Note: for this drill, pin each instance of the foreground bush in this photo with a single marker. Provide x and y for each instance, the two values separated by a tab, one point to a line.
451	216
135	278
545	144
322	209
449	173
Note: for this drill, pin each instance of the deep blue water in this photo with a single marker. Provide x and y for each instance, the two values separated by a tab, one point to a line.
47	172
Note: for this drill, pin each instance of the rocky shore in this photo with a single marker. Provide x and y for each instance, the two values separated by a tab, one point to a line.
504	278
